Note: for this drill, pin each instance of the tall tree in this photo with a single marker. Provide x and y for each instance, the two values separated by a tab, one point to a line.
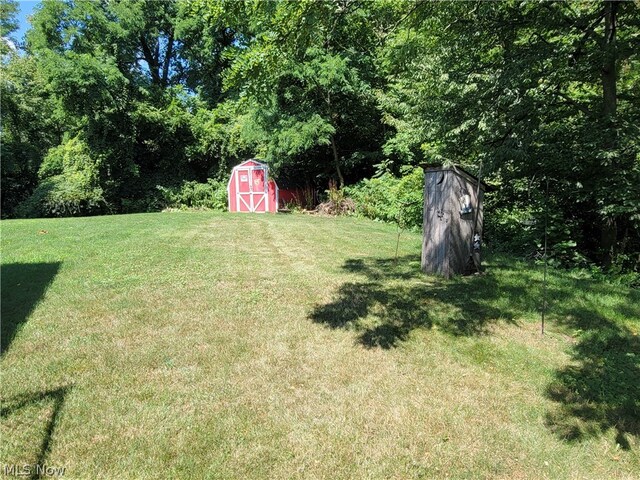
532	90
117	68
8	25
311	75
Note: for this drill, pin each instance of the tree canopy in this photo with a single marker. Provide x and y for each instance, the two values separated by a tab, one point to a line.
105	101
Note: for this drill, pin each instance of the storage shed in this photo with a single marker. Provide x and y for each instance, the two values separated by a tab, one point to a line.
251	190
452	221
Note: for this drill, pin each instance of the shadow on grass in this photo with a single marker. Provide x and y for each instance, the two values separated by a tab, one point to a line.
55	397
396	298
598	391
23	285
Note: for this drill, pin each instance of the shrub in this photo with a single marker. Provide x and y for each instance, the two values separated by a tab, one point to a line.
391	199
69	184
191	194
518	227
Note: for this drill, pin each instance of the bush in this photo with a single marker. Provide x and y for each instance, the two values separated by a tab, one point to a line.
191	194
66	195
391	199
518	227
69	184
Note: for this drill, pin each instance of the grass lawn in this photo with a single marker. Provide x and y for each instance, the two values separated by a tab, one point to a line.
203	345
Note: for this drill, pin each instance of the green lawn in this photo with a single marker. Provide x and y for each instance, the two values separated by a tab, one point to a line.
203	345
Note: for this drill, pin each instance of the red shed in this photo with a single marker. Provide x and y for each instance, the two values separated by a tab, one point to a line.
251	190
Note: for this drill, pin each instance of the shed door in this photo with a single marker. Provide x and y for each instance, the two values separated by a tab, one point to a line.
251	189
243	190
258	193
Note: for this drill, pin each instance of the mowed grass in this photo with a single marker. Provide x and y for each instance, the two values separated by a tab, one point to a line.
202	345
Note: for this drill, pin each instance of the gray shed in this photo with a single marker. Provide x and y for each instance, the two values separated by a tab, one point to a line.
452	222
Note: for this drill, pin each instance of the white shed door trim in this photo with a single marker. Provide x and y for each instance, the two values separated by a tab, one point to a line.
247	172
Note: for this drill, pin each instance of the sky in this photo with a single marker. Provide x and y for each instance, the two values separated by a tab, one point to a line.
26	8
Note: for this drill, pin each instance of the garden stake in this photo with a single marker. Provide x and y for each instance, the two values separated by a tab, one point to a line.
544	278
398	219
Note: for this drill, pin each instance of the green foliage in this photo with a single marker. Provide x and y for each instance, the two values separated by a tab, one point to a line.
89	84
164	136
71	194
32	120
72	155
222	137
374	198
172	93
391	199
211	195
530	90
69	184
310	91
8	25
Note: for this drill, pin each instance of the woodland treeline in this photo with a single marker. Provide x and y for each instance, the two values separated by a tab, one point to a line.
107	105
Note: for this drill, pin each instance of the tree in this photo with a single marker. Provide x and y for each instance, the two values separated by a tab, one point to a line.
116	69
32	122
311	90
533	91
8	25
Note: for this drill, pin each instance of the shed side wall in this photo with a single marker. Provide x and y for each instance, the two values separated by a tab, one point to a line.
447	235
436	221
231	191
461	234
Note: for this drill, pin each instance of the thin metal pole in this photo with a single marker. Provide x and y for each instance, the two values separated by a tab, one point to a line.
398	243
402	205
544	280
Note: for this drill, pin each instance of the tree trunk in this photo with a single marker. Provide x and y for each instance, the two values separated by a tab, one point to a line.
167	60
608	236
336	162
608	233
152	62
609	74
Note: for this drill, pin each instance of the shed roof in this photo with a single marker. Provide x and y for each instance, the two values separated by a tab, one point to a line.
251	160
438	167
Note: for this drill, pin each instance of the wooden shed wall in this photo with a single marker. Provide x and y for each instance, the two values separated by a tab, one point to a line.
447	235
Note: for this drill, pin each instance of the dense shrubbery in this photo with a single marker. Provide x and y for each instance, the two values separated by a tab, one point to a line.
211	195
391	199
521	231
172	93
69	184
71	194
517	227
